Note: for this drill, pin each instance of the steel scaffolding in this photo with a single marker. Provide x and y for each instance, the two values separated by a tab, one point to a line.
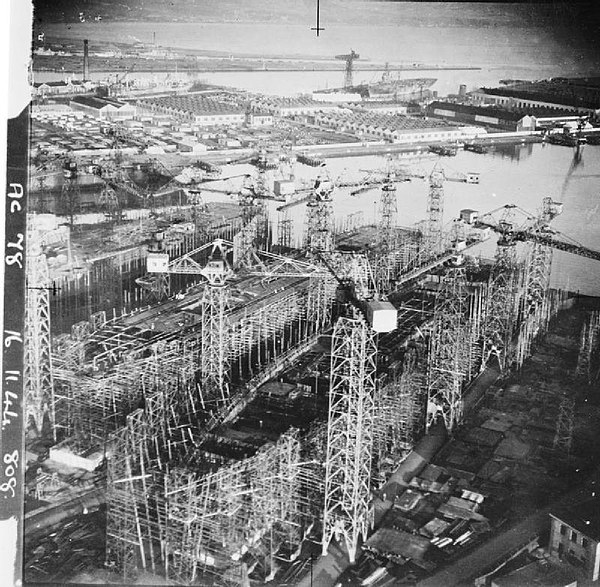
284	229
588	347
102	371
191	515
347	512
476	320
215	341
563	438
244	243
399	409
435	211
387	237
37	359
501	305
448	350
319	217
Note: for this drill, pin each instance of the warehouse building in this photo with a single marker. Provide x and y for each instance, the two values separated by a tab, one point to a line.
581	96
196	109
59	88
481	115
393	128
105	108
283	107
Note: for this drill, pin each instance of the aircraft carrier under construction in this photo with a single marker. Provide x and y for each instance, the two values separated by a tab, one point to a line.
262	391
263	405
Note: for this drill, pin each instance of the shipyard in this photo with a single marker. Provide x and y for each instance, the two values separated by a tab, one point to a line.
318	316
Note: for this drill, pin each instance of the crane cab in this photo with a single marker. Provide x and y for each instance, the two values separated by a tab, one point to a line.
382	316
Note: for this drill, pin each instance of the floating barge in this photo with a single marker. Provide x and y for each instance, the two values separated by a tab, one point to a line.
476	148
444	150
309	160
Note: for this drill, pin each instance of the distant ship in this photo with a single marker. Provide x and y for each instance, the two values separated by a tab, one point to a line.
390	89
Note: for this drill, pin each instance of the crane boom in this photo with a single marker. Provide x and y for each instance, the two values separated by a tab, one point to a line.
546	239
538	232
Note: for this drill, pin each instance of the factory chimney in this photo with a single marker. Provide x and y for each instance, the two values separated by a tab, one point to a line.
86	61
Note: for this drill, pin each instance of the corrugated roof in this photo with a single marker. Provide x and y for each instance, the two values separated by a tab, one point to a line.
494	112
95	102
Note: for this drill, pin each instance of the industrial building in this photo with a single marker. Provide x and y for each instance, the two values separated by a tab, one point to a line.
103	108
58	88
196	109
395	128
302	106
574	534
579	95
488	116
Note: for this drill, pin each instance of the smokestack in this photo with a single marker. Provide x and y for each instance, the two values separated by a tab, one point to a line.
86	61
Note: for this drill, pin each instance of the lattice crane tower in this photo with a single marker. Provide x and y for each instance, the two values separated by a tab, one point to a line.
501	299
37	372
435	211
319	216
349	58
448	350
215	343
539	262
70	193
347	514
387	236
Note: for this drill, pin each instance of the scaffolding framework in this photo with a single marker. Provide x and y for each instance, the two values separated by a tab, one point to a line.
347	514
433	241
387	237
284	229
319	218
448	350
215	330
563	438
104	369
588	347
185	518
501	306
536	307
399	409
37	358
244	243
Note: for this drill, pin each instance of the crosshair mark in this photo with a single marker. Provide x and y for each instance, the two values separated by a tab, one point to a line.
318	27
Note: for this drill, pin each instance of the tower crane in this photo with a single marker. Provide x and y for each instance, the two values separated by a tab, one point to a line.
349	58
